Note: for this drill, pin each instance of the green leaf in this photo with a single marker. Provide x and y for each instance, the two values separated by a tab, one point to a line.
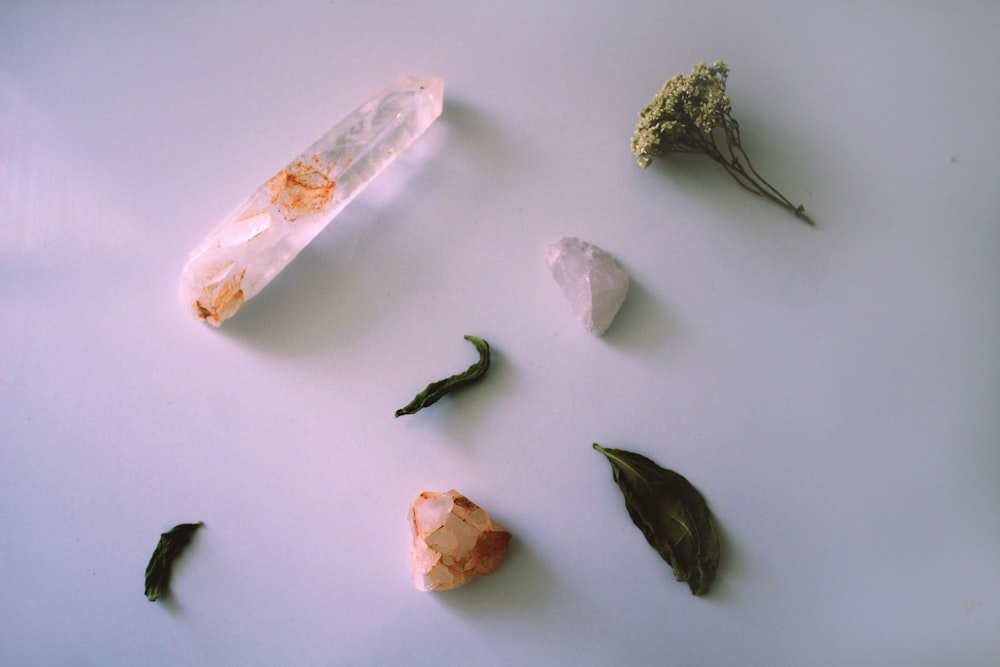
172	543
671	513
436	390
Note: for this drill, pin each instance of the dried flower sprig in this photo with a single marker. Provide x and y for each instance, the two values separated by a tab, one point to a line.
693	114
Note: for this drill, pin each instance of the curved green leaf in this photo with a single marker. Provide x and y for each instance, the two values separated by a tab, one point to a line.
435	391
172	543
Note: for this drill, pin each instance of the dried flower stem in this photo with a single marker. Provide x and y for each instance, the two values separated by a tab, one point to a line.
738	165
692	114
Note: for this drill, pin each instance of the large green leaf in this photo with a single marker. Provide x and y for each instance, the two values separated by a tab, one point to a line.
671	513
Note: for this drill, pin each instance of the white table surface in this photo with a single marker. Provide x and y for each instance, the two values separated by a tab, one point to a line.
833	391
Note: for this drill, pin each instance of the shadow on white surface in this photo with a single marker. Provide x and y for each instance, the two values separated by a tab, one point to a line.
476	133
643	323
732	566
522	586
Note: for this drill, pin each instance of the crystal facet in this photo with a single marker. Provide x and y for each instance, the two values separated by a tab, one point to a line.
593	283
257	240
454	541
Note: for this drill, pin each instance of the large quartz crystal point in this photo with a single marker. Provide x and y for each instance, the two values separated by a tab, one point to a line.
454	541
257	240
593	283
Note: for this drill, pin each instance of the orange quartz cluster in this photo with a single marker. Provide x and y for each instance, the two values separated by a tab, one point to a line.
454	541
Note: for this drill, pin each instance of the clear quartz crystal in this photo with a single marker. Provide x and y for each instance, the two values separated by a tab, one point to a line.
594	285
257	240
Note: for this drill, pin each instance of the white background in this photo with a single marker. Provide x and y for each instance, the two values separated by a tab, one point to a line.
833	392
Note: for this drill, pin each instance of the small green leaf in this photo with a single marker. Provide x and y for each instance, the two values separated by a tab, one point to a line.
172	543
436	390
672	515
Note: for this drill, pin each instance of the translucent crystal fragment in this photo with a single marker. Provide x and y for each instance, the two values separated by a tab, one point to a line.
590	278
454	541
257	240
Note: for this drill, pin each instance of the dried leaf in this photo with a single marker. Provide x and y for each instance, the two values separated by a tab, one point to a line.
436	390
671	513
172	543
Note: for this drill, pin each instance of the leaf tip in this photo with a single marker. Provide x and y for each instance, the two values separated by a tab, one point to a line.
604	451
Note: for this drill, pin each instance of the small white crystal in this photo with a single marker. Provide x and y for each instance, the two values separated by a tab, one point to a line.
593	283
257	240
454	541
